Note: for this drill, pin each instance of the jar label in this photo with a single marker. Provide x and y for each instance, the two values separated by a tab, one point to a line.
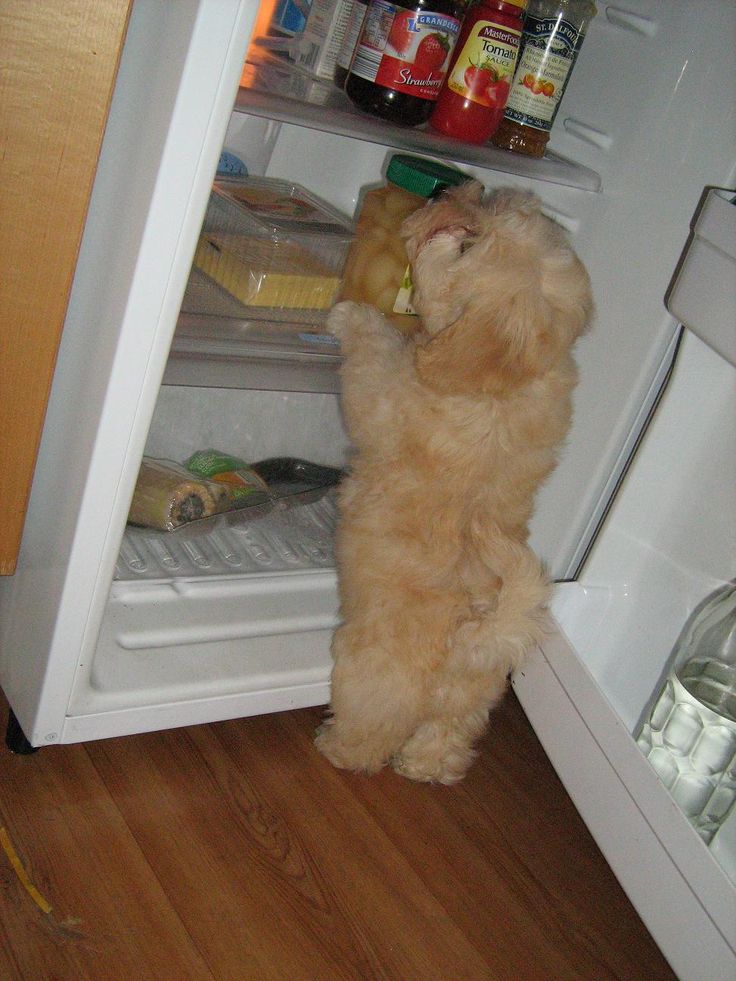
405	50
549	49
485	66
403	301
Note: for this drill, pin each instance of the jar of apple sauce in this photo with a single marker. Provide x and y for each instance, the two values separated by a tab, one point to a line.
377	267
554	31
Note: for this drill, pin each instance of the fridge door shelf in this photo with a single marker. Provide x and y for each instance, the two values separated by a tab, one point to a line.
703	293
189	651
673	879
275	89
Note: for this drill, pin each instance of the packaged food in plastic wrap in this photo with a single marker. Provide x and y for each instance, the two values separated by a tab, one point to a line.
274	247
167	496
263	273
243	482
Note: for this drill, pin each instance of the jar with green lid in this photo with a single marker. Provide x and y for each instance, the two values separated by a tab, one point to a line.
553	34
377	267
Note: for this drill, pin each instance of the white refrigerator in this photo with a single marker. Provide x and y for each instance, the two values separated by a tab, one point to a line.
103	633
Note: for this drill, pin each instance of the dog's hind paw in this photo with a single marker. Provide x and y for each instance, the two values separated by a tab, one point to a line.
440	751
358	757
447	770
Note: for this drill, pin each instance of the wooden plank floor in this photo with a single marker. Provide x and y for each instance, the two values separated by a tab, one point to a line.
233	851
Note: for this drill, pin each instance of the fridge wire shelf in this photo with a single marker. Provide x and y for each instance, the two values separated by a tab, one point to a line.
252	541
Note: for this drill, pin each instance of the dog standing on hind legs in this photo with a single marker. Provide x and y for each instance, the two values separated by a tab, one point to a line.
453	430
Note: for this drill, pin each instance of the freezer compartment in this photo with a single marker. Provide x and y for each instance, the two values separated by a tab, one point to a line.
183	651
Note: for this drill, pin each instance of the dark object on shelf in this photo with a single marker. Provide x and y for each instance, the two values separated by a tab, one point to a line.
15	738
288	476
401	57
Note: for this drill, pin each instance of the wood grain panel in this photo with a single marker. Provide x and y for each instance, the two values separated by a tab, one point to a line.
278	866
234	851
59	66
109	916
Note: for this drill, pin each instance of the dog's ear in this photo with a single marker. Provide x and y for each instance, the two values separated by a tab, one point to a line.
524	321
471	357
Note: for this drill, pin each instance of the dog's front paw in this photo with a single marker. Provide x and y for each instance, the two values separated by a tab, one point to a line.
361	326
349	318
339	317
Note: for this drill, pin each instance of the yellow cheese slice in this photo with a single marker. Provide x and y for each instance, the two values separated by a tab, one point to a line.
260	272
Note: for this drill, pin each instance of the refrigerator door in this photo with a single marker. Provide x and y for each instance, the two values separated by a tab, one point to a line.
668	541
176	84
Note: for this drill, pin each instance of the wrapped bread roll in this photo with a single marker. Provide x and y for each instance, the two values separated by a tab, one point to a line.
167	496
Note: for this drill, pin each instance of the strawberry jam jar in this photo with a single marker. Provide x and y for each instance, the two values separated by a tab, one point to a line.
472	100
401	58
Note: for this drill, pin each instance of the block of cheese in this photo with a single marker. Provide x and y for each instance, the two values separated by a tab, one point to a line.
266	273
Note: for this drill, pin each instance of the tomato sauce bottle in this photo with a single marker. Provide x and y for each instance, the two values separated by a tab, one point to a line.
471	103
401	57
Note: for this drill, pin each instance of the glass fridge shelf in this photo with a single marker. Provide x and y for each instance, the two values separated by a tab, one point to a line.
221	343
276	89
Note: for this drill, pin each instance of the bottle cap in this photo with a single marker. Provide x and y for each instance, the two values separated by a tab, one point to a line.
423	177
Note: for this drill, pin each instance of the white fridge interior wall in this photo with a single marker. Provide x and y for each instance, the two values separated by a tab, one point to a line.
669	539
251	424
657	136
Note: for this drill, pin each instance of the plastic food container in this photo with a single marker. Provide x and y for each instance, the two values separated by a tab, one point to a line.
274	247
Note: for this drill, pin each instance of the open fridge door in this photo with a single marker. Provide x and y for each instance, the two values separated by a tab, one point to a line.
668	541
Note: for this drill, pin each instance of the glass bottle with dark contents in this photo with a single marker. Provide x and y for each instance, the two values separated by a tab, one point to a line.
554	31
401	57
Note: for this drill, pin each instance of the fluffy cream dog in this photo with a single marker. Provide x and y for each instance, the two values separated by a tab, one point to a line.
454	428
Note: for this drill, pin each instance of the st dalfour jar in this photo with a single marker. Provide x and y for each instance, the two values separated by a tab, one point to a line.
377	266
471	103
554	31
401	57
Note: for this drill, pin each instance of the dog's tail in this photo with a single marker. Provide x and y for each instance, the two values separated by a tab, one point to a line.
513	617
